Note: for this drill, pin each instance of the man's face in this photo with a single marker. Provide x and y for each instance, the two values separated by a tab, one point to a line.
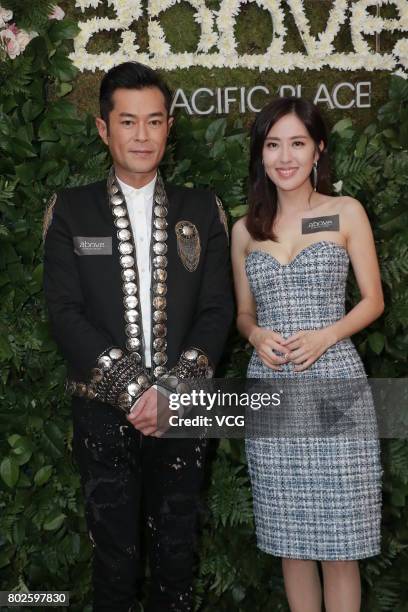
137	133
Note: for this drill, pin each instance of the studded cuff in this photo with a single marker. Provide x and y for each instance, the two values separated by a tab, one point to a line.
193	364
118	379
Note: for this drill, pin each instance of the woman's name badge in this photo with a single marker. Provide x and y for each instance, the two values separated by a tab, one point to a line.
330	223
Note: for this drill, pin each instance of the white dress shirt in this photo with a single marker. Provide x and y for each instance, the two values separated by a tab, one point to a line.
140	207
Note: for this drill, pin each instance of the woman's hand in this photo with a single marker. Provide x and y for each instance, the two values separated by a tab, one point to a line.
266	343
305	347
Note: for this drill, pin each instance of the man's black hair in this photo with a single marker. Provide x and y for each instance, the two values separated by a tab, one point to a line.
130	75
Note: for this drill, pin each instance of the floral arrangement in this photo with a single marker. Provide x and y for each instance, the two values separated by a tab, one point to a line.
320	50
13	40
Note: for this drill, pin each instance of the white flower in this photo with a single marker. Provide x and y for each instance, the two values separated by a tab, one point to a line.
10	43
57	13
5	16
338	186
24	38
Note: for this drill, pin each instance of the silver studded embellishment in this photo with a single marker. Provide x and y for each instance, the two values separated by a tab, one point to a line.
49	211
159	278
223	216
188	244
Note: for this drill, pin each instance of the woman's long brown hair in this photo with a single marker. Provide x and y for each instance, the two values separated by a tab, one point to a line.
263	198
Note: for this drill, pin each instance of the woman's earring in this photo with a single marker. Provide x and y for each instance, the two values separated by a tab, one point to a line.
315	176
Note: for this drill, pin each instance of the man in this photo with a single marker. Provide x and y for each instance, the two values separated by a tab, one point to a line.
136	278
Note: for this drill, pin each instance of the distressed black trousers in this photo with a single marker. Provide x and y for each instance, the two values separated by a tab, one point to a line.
131	483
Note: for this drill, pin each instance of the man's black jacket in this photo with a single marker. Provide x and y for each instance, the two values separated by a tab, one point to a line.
84	292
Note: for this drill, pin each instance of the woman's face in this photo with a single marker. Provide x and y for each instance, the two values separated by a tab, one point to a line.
289	153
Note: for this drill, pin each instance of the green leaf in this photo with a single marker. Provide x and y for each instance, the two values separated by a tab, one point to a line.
376	342
54	521
31	110
61	30
216	130
342	126
5	349
43	475
53	440
9	471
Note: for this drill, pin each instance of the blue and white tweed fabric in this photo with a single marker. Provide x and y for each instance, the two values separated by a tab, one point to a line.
315	497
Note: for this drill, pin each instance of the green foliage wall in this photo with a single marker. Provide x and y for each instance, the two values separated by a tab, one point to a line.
44	145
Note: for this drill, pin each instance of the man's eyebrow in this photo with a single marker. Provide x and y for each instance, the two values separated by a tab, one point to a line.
156	114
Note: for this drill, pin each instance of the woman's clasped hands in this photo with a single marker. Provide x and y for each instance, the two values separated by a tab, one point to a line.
302	348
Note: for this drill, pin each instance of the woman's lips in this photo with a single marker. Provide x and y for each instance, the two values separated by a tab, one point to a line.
286	172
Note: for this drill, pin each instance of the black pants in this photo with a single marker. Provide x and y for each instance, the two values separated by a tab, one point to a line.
128	477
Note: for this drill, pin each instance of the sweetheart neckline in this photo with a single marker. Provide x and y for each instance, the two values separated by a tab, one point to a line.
306	248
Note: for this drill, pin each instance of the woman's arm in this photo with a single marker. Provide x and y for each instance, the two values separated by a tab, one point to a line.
363	257
265	341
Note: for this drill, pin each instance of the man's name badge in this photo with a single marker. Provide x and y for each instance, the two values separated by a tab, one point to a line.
330	223
93	245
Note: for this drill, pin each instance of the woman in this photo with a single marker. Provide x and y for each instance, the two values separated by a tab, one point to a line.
315	498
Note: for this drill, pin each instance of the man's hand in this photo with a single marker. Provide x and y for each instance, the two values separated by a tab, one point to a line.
150	413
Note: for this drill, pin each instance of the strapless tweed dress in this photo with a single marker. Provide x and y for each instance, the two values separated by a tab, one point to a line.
314	497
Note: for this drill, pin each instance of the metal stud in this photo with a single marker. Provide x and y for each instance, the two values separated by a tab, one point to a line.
143	380
160	248
130	288
119	211
160	289
133	389
160	261
172	381
182	388
125	248
115	353
159	371
136	357
113	189
160	199
130	302
160	358
160	235
160	223
133	344
131	316
81	389
126	261
159	330
160	211
159	316
122	222
116	200
188	230
125	401
132	330
202	361
128	275
159	302
191	354
91	392
105	363
97	375
159	344
160	275
124	234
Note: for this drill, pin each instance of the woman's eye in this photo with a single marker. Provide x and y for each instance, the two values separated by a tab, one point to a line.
299	142
271	145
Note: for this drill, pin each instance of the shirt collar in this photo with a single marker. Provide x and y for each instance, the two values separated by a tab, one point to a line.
146	191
